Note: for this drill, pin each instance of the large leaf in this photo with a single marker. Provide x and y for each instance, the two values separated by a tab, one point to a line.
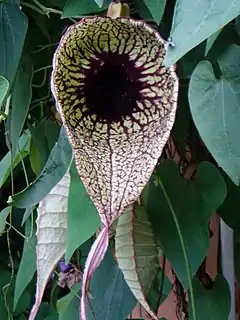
195	21
83	219
12	35
156	8
215	109
213	304
27	267
55	168
21	99
4	85
191	203
137	253
112	298
6	164
51	235
74	7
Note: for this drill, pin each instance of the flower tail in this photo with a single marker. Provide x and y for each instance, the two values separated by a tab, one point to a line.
94	259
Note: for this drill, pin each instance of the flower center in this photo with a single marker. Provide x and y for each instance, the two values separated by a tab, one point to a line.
112	87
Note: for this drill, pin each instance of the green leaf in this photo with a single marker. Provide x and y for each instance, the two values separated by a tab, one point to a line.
213	304
47	312
75	7
4	86
5	163
83	219
23	303
26	215
55	168
12	35
195	21
27	267
143	12
211	40
112	299
34	157
192	203
137	254
69	304
99	3
156	8
21	98
215	109
44	137
21	317
3	216
52	130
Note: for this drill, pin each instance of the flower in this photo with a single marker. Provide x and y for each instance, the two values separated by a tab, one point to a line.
117	101
118	104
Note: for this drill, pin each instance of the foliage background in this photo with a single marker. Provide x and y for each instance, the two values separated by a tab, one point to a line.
205	141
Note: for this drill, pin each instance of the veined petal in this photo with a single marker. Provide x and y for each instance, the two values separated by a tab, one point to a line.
118	103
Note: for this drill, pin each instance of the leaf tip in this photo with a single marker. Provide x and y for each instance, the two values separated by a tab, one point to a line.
10	200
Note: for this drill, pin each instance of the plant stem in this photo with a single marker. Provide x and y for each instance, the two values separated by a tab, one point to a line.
185	256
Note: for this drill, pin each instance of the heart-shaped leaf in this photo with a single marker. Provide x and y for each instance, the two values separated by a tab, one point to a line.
191	203
195	21
215	109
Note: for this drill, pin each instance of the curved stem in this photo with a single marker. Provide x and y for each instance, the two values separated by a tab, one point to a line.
185	256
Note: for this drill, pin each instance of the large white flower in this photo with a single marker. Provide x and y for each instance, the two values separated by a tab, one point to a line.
118	103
